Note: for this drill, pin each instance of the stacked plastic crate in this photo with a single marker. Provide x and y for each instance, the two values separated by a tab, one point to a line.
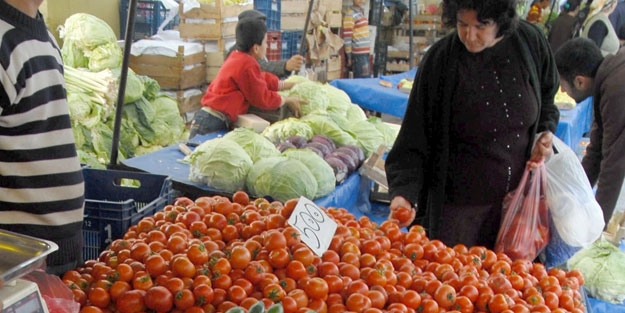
271	9
149	16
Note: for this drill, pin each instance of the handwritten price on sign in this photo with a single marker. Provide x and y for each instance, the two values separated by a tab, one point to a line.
316	228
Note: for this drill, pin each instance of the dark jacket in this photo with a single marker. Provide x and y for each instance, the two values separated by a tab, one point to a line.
417	165
604	162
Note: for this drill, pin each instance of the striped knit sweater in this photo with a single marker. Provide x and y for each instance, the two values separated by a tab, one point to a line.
41	182
356	32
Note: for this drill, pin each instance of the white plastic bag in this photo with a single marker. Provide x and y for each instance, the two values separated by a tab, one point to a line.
576	214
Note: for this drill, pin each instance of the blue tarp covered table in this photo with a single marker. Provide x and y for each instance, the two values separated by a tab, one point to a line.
167	161
574	123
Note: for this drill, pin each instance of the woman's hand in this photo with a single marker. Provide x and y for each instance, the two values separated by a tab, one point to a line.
542	149
401	202
295	105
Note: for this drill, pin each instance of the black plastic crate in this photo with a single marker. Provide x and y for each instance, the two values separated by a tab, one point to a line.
271	8
149	17
116	200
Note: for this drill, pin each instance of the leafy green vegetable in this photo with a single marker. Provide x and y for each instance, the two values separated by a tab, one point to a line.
151	88
108	55
281	178
326	182
141	113
286	128
314	93
83	110
322	125
387	131
355	113
368	136
339	101
83	33
256	145
168	123
603	267
219	163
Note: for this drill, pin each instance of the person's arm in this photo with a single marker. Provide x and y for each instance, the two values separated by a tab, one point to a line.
597	32
610	170
275	67
259	88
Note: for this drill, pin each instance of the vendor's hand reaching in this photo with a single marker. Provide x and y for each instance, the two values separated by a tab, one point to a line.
542	149
295	105
401	202
294	63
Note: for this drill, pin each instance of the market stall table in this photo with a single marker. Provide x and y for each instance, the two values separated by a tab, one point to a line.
370	95
168	161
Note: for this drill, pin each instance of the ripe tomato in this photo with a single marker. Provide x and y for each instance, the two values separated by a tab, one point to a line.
240	257
117	288
184	299
445	295
316	288
131	301
274	292
99	297
499	303
411	298
403	215
428	306
181	266
204	294
357	302
159	299
241	197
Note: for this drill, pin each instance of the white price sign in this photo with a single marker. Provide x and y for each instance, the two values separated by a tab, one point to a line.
316	228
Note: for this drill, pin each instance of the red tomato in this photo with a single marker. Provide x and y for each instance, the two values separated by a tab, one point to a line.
159	299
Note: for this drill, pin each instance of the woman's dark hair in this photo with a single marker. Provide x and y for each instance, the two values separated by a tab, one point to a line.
249	32
578	56
571	5
502	12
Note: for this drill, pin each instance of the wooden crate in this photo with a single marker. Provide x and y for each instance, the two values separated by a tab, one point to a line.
293	21
211	73
179	72
215	59
294	6
210	21
188	104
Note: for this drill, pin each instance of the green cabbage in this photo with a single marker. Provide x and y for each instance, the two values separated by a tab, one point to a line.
324	174
108	55
355	113
286	128
339	101
141	114
219	163
281	178
83	110
603	267
168	122
389	133
134	85
83	33
256	145
322	125
367	136
151	88
314	93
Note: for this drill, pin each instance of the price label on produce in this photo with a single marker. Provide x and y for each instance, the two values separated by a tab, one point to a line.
316	228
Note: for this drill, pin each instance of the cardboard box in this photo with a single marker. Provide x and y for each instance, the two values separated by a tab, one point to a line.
252	121
294	6
332	75
334	19
293	21
334	63
210	21
179	72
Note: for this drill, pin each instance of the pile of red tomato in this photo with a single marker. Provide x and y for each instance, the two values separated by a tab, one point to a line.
213	254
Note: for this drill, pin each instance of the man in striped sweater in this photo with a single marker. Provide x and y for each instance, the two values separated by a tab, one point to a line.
41	182
356	40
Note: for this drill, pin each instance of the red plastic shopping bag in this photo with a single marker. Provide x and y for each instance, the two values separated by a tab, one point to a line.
524	230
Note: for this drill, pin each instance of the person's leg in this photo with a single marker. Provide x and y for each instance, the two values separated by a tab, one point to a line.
360	66
204	123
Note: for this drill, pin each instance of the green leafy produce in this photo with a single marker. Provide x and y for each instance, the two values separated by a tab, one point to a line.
323	125
83	110
389	133
219	163
281	178
134	85
314	93
82	35
142	114
100	87
108	55
368	136
603	267
355	113
151	88
168	123
339	101
286	128
256	145
322	171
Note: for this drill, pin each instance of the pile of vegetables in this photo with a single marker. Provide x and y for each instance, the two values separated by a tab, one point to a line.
603	267
245	160
93	61
217	254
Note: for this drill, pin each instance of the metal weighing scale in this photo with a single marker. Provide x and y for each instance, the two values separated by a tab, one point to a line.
20	255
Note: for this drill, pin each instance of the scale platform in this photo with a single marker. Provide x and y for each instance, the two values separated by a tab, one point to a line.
20	255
